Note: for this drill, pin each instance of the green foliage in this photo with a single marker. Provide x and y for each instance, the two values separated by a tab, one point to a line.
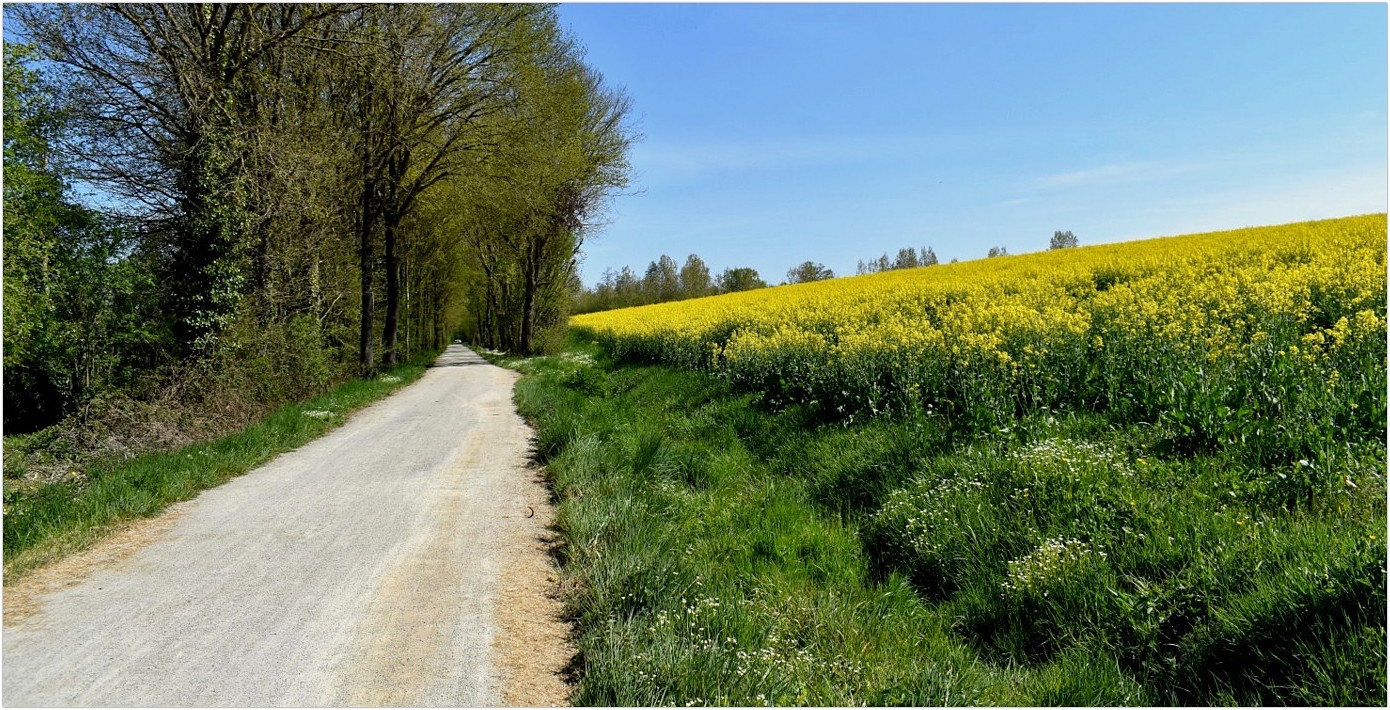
808	271
703	575
262	174
80	307
695	278
1063	543
209	248
662	282
742	278
1063	240
533	204
273	363
722	551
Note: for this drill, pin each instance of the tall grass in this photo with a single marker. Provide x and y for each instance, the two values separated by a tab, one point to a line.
1168	455
723	551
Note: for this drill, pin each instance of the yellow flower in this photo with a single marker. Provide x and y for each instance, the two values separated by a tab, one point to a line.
1214	300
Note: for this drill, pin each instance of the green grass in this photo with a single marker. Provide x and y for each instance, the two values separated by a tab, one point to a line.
51	521
724	552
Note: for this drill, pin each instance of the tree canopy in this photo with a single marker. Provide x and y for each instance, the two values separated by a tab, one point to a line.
662	281
1063	240
296	192
808	271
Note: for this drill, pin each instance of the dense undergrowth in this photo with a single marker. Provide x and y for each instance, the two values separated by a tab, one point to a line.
725	549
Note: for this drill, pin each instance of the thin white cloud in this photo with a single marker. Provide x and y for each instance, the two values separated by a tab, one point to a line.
1114	172
1318	195
1029	189
688	161
1118	173
1315	195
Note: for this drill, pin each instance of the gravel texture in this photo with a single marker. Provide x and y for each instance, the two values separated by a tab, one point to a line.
362	569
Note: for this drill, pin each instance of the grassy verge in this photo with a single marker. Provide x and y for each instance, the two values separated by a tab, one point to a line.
48	522
725	553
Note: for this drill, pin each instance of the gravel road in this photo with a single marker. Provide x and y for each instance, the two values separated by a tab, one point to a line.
362	569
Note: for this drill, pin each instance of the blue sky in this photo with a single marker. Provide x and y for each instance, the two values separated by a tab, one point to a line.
777	133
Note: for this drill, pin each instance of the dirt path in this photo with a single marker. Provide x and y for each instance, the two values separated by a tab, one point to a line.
400	560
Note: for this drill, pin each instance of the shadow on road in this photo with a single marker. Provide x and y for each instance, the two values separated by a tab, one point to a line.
458	356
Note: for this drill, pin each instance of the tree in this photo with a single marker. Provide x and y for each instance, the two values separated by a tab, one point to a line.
35	210
928	257
559	150
906	259
627	289
289	182
662	280
77	301
997	251
158	95
695	278
741	278
427	75
583	161
1063	240
872	266
808	271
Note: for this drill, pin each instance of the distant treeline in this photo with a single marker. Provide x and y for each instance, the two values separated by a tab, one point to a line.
288	195
663	281
907	258
910	258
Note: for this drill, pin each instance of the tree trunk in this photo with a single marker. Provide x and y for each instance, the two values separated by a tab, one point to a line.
205	277
393	292
530	290
366	356
528	310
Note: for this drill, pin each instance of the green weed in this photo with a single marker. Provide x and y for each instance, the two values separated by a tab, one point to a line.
723	550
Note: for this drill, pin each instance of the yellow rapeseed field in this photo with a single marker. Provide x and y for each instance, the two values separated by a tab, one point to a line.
1152	326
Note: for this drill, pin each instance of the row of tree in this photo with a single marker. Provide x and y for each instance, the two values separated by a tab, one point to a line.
907	258
299	188
662	281
665	281
1060	240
